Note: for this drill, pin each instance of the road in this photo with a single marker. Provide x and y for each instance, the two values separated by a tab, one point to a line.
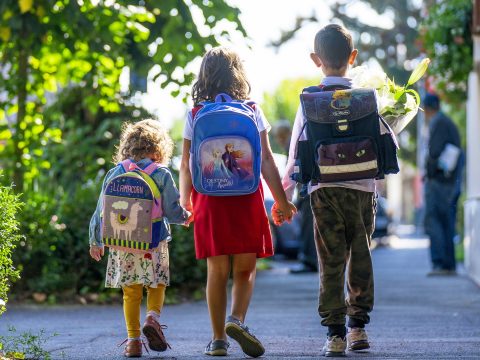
415	316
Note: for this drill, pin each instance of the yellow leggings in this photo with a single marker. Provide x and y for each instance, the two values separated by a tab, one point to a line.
132	300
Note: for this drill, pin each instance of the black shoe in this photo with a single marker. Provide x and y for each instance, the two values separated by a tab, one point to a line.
442	272
302	269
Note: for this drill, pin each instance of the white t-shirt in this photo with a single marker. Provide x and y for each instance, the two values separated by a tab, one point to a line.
367	185
262	123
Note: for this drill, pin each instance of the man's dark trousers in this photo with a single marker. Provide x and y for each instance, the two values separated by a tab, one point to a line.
439	199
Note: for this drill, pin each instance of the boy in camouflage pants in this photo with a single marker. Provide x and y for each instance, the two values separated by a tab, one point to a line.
344	215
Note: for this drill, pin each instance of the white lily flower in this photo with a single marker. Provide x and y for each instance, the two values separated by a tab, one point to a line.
397	104
366	78
411	104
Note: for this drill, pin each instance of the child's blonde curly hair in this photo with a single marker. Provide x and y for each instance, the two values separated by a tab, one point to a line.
146	138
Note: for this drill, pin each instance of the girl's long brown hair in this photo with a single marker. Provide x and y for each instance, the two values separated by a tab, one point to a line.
221	72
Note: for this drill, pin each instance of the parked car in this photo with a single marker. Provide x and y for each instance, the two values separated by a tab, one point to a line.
383	221
286	238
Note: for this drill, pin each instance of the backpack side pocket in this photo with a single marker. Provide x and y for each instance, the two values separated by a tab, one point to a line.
389	148
304	166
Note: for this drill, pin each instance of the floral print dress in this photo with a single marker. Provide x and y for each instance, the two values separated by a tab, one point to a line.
126	268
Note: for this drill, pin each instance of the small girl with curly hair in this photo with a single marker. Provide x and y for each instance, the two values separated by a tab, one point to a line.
142	143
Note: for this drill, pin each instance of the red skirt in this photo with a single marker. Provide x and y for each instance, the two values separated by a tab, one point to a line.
227	225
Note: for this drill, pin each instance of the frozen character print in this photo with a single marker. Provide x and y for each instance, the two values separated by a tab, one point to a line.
230	157
219	169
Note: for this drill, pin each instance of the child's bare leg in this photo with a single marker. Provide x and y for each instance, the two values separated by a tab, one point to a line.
244	270
217	278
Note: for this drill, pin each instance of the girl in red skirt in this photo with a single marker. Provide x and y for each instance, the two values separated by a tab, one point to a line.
231	232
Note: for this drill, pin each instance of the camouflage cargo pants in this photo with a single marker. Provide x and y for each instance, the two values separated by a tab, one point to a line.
343	227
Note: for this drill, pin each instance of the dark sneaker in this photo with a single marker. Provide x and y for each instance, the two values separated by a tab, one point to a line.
217	348
240	333
334	346
153	331
442	272
357	339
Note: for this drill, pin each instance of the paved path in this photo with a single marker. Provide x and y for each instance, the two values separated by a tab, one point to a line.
415	317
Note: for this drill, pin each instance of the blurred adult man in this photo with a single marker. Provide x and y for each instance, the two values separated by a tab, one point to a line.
442	188
282	131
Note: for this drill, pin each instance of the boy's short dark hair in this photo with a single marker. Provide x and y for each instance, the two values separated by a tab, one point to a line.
333	45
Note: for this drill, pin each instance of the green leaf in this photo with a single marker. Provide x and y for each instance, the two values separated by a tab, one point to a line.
415	95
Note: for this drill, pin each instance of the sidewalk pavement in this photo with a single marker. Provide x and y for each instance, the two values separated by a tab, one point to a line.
415	317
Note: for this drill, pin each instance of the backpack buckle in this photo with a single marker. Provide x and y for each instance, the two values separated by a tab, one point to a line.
342	125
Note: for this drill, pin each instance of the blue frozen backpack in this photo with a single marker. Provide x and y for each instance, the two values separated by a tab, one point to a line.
225	150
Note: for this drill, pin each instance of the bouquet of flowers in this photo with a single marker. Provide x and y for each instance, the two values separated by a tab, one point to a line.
397	104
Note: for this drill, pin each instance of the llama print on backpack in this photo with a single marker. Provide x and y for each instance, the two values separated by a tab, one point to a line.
231	126
132	213
122	222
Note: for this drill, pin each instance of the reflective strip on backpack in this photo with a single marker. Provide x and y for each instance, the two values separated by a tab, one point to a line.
351	168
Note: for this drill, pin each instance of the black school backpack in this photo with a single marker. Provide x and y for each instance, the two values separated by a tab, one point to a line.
346	137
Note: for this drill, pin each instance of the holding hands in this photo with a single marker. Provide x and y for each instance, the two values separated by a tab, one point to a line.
186	203
282	212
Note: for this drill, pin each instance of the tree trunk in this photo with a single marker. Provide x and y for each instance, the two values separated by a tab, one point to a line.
19	170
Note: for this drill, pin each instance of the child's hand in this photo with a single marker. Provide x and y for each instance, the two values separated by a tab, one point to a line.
189	220
287	210
96	252
277	215
186	203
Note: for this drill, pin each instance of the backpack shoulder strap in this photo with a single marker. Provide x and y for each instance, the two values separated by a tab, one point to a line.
195	110
146	173
127	165
320	88
335	87
151	168
313	89
252	104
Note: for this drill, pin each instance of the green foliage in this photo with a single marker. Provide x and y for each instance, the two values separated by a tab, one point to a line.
55	258
391	45
182	257
61	119
25	345
47	45
9	238
447	39
87	145
283	103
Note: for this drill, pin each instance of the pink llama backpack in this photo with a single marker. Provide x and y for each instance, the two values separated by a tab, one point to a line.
132	213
